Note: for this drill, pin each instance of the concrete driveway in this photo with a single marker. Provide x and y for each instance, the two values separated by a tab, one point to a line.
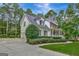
18	48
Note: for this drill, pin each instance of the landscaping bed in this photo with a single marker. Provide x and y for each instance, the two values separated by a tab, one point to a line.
41	40
70	48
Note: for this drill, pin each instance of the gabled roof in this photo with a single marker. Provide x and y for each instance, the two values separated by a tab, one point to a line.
33	19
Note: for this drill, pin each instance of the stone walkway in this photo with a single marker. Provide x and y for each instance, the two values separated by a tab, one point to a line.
55	43
18	48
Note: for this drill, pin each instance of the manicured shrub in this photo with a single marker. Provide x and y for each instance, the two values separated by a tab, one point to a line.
45	40
3	36
53	37
32	32
57	37
45	37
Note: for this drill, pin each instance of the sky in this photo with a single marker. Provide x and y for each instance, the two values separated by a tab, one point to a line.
44	7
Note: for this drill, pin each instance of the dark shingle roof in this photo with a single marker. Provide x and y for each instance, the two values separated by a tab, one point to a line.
33	19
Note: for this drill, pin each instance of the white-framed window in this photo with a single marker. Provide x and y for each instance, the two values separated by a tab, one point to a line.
39	32
45	33
51	32
24	24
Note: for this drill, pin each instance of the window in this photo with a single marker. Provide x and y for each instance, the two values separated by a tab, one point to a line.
61	33
24	24
51	32
54	32
39	32
45	33
57	32
51	25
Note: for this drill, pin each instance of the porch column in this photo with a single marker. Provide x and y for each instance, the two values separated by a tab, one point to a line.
42	32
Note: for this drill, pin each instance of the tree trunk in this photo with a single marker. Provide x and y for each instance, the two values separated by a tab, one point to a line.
7	29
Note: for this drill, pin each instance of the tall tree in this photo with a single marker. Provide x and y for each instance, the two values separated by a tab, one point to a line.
70	10
29	11
59	18
18	13
61	13
13	13
50	13
77	5
70	28
5	10
77	8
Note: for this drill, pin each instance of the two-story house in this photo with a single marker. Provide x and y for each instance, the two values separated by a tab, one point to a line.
37	21
47	27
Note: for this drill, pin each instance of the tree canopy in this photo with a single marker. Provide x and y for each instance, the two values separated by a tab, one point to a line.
50	13
70	28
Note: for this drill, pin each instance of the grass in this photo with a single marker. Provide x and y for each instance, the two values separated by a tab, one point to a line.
70	49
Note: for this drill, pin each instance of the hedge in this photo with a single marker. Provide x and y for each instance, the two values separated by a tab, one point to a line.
46	40
54	37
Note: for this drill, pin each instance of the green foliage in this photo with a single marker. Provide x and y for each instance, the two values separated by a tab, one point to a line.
2	27
53	37
70	10
50	13
61	13
70	26
12	33
7	27
2	23
29	11
32	32
46	40
77	5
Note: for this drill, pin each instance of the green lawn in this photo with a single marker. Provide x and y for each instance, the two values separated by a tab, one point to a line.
70	49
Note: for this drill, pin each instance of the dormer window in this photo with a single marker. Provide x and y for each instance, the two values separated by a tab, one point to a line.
35	20
40	22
